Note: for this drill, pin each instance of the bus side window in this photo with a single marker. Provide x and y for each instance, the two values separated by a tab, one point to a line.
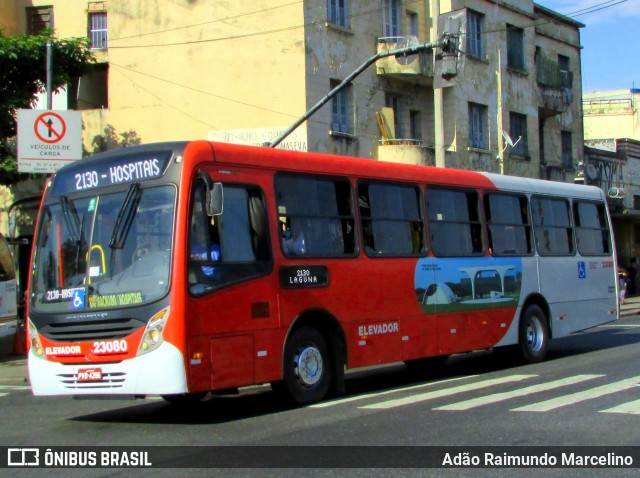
315	216
391	219
552	229
592	232
231	247
454	222
508	224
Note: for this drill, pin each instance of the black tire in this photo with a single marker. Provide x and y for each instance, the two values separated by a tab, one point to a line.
184	398
307	366
534	334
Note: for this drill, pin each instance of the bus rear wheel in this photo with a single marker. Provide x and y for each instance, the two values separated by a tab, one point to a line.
307	367
534	334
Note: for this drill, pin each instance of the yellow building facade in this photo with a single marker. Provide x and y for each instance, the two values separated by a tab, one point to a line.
244	71
609	115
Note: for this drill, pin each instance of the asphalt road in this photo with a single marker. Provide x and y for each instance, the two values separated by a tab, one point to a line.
584	394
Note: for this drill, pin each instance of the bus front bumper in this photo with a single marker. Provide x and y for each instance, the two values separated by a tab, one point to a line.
160	372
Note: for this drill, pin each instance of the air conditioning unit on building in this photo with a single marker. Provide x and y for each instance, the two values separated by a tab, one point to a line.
616	193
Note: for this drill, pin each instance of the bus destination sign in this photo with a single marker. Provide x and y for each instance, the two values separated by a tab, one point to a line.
109	173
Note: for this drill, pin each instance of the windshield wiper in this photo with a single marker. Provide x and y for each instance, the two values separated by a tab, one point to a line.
75	227
70	218
124	220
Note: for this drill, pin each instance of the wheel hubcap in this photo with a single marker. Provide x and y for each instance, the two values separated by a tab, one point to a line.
309	366
534	335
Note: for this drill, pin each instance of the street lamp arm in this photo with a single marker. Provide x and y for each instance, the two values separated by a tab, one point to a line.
411	50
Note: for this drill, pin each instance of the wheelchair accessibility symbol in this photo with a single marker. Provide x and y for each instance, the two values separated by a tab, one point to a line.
582	271
77	300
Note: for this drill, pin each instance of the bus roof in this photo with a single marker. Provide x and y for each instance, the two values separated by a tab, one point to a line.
322	163
539	186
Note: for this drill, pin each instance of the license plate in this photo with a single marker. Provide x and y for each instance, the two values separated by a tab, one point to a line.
90	375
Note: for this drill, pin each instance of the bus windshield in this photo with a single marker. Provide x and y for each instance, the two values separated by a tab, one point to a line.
103	250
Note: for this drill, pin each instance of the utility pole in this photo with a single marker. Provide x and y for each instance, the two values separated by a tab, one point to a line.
447	41
438	97
49	79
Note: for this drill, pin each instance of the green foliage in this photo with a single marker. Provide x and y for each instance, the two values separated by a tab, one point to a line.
23	75
110	140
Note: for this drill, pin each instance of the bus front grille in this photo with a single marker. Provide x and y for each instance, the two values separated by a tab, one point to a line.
109	380
95	330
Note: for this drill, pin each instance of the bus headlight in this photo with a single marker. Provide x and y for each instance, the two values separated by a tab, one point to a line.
34	341
152	337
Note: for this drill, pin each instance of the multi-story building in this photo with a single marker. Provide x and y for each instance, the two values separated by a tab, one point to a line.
612	159
617	171
609	115
244	71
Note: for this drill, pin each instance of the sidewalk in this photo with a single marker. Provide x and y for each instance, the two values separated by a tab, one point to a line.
13	370
631	306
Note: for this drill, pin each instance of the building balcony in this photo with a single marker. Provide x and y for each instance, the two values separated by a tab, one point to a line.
604	106
555	87
405	151
416	69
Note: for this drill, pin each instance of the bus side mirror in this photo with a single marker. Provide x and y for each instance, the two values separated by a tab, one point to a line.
214	205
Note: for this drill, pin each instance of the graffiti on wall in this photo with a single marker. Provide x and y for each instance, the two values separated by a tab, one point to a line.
608	176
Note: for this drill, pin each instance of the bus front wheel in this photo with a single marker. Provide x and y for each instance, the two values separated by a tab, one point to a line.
307	367
534	334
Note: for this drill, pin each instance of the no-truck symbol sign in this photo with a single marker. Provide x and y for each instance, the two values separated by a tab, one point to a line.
47	140
50	127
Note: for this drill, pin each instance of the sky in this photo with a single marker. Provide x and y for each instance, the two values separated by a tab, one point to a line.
610	40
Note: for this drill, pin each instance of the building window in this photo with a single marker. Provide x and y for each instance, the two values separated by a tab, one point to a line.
337	13
475	23
39	19
98	30
415	125
390	18
478	126
567	159
412	19
93	88
563	63
515	47
518	132
393	102
341	121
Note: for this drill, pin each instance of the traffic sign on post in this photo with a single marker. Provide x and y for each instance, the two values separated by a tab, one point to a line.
47	140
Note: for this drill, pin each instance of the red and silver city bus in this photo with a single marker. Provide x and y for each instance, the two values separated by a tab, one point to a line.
176	269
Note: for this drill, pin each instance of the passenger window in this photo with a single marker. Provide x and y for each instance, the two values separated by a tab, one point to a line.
508	225
391	220
592	231
315	216
231	247
454	222
552	226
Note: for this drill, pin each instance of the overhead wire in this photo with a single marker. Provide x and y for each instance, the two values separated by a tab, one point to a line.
584	11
